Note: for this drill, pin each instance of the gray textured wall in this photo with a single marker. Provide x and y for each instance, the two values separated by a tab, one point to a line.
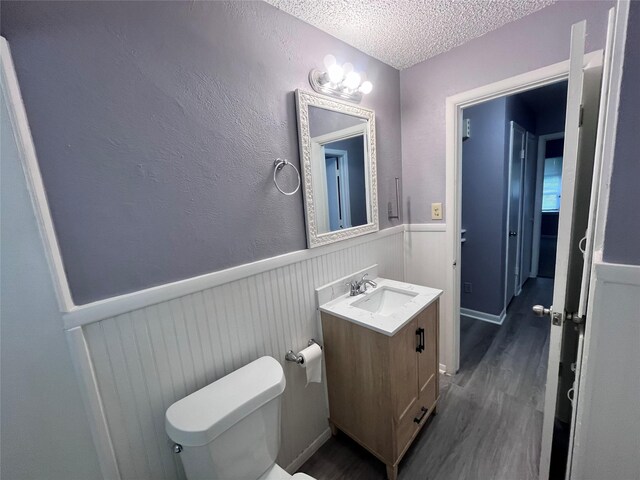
45	432
156	126
483	207
534	41
622	238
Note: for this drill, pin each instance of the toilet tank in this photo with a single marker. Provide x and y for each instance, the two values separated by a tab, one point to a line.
230	429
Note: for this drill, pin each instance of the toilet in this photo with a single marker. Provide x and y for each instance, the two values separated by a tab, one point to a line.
230	429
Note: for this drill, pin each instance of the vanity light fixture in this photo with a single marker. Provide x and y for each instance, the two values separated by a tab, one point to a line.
340	81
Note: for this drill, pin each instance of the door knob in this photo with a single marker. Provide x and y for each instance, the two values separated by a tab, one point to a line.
513	234
540	311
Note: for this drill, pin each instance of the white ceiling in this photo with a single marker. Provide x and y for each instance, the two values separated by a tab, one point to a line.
402	33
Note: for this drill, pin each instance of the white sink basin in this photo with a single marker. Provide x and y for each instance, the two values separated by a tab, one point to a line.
384	309
384	300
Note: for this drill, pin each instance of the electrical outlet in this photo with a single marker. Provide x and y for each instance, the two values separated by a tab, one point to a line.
436	211
468	287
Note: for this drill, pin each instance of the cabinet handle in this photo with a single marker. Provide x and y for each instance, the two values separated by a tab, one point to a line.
420	334
423	412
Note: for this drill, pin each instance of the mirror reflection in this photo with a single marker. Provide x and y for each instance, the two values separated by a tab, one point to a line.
339	163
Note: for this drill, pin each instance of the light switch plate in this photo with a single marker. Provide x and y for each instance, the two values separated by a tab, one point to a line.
436	211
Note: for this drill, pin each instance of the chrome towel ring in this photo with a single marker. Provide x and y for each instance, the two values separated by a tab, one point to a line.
279	164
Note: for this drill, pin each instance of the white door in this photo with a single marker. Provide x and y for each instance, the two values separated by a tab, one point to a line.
338	189
514	209
577	179
529	192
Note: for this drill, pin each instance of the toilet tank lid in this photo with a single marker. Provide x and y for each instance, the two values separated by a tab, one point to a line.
205	414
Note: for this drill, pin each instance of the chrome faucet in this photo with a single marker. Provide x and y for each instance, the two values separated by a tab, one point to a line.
357	287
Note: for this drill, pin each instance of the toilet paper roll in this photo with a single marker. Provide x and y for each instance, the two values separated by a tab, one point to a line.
312	356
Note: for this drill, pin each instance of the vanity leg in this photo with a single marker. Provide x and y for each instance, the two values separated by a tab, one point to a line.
334	429
392	472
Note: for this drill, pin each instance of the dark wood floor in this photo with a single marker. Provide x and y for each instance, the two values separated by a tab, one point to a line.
489	421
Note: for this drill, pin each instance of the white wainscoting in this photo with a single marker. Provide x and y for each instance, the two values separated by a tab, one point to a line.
607	437
146	359
426	264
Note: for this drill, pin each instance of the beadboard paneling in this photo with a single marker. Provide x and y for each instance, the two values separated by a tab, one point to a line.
607	440
147	359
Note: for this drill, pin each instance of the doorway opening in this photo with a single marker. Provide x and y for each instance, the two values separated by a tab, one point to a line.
506	183
584	72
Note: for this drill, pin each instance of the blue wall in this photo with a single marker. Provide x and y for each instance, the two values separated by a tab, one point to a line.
485	169
483	207
622	239
156	125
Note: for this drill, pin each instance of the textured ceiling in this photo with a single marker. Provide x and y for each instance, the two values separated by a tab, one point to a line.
402	33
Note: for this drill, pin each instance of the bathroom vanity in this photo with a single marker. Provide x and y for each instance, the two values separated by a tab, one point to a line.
381	355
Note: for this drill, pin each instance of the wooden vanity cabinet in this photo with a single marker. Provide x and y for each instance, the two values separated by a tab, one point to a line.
382	388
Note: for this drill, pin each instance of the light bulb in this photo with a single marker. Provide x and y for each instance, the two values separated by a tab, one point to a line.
335	73
366	87
347	68
329	61
352	80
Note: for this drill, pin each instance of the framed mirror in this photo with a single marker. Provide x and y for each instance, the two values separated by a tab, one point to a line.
338	156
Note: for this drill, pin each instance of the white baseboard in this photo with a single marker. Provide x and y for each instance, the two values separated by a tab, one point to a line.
443	369
308	452
485	317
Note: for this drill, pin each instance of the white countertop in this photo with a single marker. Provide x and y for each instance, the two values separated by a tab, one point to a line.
386	324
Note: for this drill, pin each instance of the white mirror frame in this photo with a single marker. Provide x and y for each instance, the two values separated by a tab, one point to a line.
303	101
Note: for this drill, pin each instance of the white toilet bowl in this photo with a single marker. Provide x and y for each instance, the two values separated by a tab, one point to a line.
230	429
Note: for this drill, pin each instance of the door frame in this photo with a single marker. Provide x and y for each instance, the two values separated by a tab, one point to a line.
513	126
345	197
531	139
454	107
537	213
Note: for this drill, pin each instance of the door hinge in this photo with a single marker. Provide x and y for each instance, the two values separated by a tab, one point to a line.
522	154
581	119
574	317
558	318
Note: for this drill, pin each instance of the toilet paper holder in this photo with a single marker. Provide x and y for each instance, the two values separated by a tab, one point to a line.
292	357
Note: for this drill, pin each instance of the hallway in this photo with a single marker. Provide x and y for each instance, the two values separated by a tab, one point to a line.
489	420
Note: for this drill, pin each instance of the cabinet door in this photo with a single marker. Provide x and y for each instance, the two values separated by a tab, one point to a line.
404	375
428	357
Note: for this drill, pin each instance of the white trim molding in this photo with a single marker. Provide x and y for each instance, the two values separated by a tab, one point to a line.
485	317
537	212
27	153
109	307
83	365
426	227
